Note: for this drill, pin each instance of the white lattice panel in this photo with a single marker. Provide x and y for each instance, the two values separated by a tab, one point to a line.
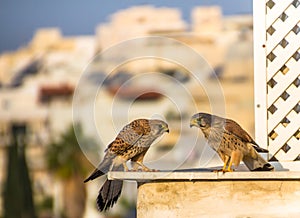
277	77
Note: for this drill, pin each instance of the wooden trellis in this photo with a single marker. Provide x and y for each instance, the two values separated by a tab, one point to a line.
277	77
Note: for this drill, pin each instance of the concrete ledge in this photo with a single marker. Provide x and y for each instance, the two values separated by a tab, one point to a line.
190	193
203	175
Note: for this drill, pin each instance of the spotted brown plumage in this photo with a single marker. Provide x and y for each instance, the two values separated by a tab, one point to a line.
232	143
131	143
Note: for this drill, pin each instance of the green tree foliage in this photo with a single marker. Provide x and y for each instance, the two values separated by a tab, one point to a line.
65	157
68	164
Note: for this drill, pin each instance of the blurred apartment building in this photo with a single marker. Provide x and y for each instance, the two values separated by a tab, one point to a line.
37	82
138	22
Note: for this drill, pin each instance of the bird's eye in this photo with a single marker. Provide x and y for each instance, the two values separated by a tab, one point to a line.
202	122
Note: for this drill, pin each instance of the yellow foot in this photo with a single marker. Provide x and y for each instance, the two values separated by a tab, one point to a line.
149	170
143	170
218	170
223	170
228	170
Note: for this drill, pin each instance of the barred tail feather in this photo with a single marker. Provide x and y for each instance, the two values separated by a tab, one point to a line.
94	175
109	192
258	164
260	149
103	167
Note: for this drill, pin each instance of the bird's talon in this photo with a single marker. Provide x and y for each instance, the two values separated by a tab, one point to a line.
227	171
217	171
149	170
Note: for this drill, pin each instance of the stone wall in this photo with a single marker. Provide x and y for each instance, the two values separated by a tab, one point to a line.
207	194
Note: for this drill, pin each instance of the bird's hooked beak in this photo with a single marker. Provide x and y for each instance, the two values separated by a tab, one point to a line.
166	129
194	122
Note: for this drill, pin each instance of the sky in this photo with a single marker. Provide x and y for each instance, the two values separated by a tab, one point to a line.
20	19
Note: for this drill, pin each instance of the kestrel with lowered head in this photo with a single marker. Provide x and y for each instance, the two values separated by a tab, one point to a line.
232	143
131	143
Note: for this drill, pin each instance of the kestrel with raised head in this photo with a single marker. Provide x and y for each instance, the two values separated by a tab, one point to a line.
232	143
131	143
